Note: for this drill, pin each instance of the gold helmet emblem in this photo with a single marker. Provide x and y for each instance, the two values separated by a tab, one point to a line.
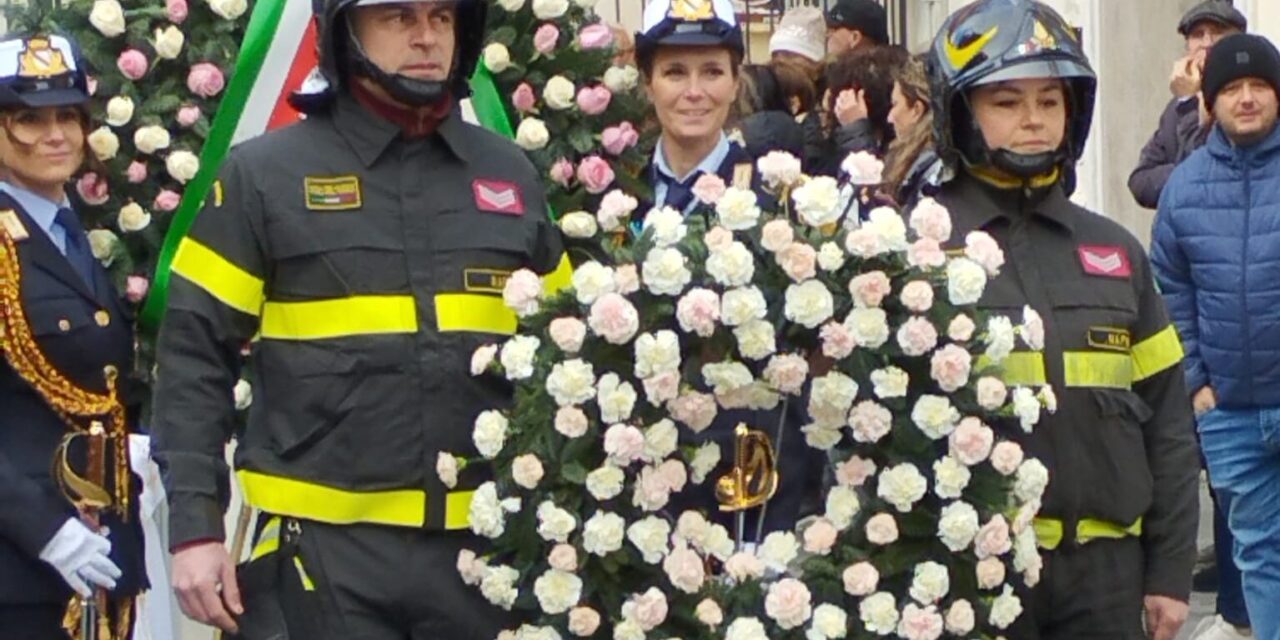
41	60
1043	38
692	10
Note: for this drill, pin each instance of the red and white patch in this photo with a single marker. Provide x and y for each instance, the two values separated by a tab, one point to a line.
1105	261
496	196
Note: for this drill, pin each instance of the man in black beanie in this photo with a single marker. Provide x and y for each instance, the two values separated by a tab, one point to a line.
1216	255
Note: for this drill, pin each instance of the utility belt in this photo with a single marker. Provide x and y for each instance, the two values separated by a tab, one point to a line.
278	585
1052	533
307	500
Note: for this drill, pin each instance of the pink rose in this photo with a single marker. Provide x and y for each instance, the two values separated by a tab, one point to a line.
982	249
931	220
471	568
744	566
777	235
93	189
673	475
524	99
568	333
882	529
950	367
132	63
837	341
626	279
695	410
798	260
596	174
990	573
545	38
971	442
855	471
571	422
624	444
926	253
135	288
583	621
992	393
789	603
870	422
698	311
718	238
614	318
787	373
870	289
993	538
685	569
820	537
662	388
961	617
205	80
917	296
961	328
920	623
917	336
615	208
709	188
1006	457
709	613
596	36
188	115
594	100
563	557
522	292
562	172
527	470
861	579
863	168
648	609
618	139
176	10
166	200
137	172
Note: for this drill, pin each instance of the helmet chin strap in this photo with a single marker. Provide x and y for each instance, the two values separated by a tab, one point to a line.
1026	166
411	91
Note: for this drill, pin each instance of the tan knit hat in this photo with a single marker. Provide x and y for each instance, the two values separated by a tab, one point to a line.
803	30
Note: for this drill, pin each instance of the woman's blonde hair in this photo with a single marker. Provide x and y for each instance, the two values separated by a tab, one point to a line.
907	147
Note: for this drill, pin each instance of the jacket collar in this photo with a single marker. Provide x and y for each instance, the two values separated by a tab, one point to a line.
370	135
1221	147
983	204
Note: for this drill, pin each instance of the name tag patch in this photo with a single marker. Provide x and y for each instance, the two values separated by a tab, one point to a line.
339	193
485	280
496	196
12	225
1105	261
1110	339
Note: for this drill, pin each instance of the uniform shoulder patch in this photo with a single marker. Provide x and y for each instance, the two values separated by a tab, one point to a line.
12	225
498	196
1110	339
743	173
1108	261
333	193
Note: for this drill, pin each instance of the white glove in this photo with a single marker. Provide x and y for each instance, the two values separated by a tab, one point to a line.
81	556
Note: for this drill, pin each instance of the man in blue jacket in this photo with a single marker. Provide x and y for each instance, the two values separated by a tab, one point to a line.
1216	253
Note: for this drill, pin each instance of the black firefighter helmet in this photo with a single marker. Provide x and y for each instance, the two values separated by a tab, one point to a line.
993	41
689	23
341	54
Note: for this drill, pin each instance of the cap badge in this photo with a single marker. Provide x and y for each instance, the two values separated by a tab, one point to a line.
692	10
41	60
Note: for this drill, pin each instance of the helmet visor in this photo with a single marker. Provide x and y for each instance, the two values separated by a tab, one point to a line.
1035	69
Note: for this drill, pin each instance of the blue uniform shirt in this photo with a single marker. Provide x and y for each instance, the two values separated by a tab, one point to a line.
710	164
42	211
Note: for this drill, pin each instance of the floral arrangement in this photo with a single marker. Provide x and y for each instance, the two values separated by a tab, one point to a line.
574	112
928	524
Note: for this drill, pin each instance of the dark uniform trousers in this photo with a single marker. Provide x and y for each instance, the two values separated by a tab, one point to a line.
365	268
1119	516
80	329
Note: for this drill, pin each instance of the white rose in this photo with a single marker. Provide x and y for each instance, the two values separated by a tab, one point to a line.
830	398
661	440
603	533
550	9
229	9
950	478
966	280
511	5
1032	329
555	524
133	217
888	224
999	339
704	460
779	550
1006	608
119	111
718	543
499	586
1031	481
830	257
490	433
743	566
879	613
527	470
621	79
935	416
559	93
709	613
667	226
757	339
829	622
532	134
810	304
739	306
182	165
649	536
628	630
789	603
615	397
931	583
890	382
657	353
665	272
497	58
488	513
102	244
592	280
821	436
746	629
579	224
107	16
1027	558
961	618
842	506
168	42
1048	398
738	209
605	483
869	327
572	382
902	486
151	139
818	201
517	356
991	393
447	469
243	395
779	169
1027	407
104	143
725	377
557	591
957	525
732	265
483	358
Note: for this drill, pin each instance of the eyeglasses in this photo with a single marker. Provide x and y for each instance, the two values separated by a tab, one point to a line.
30	126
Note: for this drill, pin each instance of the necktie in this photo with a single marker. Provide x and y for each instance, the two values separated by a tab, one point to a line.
78	252
680	194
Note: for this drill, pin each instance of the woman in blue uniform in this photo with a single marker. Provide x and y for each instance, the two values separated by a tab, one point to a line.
67	344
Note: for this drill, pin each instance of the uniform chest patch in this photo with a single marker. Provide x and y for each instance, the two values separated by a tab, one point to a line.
742	175
1105	261
1110	339
12	225
496	196
338	193
485	280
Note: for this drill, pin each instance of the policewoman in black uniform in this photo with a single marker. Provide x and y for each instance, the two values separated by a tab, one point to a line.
366	248
68	345
1013	100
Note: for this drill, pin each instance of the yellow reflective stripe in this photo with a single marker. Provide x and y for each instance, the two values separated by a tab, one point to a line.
561	278
289	497
307	584
1049	531
1097	369
268	542
474	312
1021	368
339	318
221	278
1157	353
457	510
